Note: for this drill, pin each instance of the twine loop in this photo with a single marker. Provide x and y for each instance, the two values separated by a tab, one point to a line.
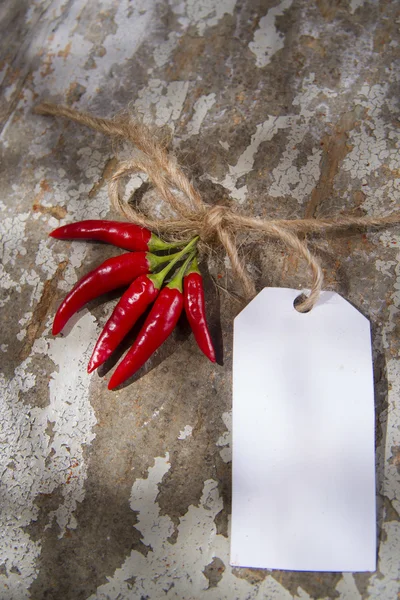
216	224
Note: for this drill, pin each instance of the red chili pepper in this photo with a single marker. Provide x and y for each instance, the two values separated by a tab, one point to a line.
124	235
111	274
195	310
158	326
141	293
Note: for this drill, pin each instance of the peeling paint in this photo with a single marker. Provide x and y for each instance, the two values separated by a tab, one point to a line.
163	51
132	21
267	39
30	448
12	238
165	565
71	413
287	178
162	103
370	147
185	433
354	4
347	588
201	108
386	581
202	13
226	438
44	464
264	132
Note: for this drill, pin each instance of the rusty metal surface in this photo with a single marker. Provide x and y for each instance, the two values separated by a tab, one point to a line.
279	109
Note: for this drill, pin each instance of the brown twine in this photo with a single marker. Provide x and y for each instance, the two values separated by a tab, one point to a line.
194	217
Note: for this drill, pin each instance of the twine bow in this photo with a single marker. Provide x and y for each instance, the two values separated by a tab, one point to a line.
194	217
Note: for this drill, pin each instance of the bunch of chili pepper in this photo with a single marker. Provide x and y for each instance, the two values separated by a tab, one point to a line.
137	269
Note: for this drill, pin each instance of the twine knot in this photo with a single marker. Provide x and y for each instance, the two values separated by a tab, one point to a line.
217	224
212	223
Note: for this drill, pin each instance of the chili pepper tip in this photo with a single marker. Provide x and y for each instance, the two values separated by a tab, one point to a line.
115	382
56	329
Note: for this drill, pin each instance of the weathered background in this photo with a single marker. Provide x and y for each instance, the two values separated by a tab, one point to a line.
284	109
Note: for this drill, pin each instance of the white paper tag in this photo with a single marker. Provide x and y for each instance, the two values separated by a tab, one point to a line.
303	436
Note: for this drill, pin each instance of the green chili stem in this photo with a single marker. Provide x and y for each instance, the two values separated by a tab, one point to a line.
158	278
194	267
155	260
176	281
156	244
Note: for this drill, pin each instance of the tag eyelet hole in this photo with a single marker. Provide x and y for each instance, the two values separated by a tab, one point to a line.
298	301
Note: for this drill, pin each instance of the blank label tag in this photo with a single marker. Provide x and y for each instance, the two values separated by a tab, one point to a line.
303	436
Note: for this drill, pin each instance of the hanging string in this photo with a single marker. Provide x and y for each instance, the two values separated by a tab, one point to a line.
216	224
